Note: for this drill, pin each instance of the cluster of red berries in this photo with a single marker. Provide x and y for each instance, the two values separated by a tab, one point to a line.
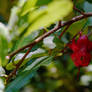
81	51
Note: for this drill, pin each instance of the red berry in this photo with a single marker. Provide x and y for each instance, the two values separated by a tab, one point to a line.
81	51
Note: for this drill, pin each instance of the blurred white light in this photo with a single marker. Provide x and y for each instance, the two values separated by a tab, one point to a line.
48	42
89	68
53	70
2	71
85	79
1	85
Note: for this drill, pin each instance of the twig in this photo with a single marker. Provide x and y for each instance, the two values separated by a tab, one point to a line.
59	23
18	64
62	51
76	9
64	31
75	19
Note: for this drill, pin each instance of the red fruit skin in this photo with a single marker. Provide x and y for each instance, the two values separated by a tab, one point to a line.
81	59
81	55
73	46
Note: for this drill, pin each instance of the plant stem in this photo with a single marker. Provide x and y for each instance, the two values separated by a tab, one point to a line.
64	31
74	19
68	23
18	64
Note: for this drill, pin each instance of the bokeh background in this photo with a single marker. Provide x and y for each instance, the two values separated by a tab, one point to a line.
61	74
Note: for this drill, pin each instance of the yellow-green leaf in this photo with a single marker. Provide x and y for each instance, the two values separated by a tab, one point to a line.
45	16
29	5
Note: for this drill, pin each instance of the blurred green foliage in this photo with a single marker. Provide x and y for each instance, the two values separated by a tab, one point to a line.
45	69
5	8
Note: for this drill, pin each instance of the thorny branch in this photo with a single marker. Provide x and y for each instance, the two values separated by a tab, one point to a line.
75	19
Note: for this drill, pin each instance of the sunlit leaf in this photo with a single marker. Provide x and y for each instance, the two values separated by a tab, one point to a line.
29	5
47	15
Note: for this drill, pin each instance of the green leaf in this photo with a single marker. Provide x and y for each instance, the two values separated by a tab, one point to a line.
47	15
43	2
27	74
76	27
35	54
26	40
88	8
40	62
3	44
20	81
13	18
29	6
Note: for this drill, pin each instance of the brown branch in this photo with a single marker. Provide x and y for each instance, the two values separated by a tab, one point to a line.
63	50
75	19
19	64
59	23
64	31
76	9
